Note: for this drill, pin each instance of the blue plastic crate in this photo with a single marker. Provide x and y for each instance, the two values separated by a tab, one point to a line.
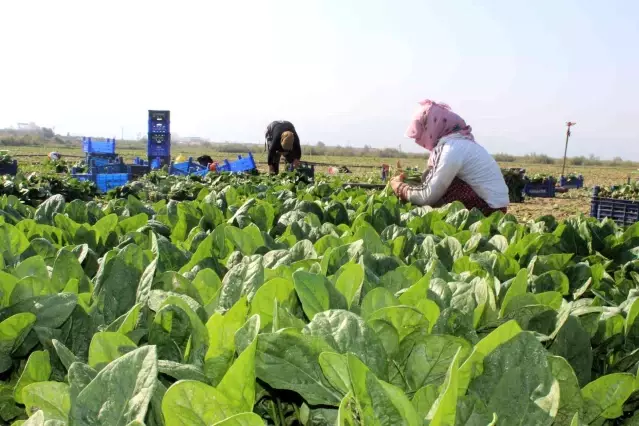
110	168
82	177
572	183
623	212
9	169
242	164
159	121
159	145
98	161
106	182
98	147
545	189
189	167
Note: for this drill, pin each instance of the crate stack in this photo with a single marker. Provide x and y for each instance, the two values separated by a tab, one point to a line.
159	138
100	156
106	169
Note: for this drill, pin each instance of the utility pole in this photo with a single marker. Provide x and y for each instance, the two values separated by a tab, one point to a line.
569	124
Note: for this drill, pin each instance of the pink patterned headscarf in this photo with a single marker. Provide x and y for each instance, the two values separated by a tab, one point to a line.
432	121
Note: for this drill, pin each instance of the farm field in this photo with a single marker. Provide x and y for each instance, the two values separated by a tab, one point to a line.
256	300
564	205
261	300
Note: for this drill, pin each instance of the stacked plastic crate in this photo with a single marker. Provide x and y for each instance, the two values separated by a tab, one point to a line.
159	138
106	169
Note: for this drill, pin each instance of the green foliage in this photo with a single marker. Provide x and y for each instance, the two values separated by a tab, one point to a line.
515	181
541	178
5	158
624	192
243	300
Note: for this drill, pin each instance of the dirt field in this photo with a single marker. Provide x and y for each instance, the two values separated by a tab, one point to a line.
564	205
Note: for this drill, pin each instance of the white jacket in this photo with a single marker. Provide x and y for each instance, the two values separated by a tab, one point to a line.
456	156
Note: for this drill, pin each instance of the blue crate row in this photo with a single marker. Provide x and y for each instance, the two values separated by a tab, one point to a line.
191	167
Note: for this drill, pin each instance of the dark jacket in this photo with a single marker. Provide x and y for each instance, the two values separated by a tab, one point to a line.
273	138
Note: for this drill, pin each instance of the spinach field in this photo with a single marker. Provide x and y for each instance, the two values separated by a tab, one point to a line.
242	301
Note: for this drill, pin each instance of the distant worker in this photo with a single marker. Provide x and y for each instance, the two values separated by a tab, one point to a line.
204	160
54	156
459	168
282	139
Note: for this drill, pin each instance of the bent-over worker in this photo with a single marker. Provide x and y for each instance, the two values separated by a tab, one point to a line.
204	160
282	139
459	168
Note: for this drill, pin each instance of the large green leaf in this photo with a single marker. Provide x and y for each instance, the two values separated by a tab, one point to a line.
190	403
279	289
517	374
120	393
13	331
108	346
50	397
316	293
289	360
380	403
242	280
348	333
221	347
238	384
37	369
117	281
350	278
604	397
425	359
570	400
444	410
12	243
49	208
573	343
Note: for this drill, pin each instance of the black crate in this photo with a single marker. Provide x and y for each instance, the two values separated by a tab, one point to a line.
139	170
9	169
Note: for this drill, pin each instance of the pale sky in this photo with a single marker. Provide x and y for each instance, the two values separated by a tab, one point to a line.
343	71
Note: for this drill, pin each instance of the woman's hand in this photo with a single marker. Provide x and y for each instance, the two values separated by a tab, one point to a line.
396	183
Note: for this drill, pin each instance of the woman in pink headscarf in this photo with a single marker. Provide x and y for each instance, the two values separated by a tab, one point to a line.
459	168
